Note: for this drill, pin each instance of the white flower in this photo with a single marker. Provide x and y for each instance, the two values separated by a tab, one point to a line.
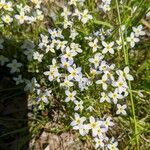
94	45
101	130
103	82
115	96
65	63
79	105
14	66
70	95
8	6
106	1
67	23
125	74
103	66
44	41
74	73
77	13
132	39
18	79
85	17
98	142
96	60
113	146
3	60
138	31
2	4
73	34
50	48
78	120
75	48
121	109
108	122
108	47
61	45
30	85
120	84
65	12
94	125
69	53
21	17
7	19
43	98
38	56
28	45
83	129
52	74
104	97
29	54
67	83
73	2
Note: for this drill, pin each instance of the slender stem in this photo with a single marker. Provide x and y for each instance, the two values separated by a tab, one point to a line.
129	83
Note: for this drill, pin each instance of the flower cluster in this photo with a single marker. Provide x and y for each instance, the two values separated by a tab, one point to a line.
21	13
105	5
78	63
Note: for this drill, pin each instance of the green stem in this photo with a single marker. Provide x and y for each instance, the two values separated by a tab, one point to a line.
129	83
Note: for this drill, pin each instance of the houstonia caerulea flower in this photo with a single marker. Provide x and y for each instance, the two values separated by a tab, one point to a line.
73	2
77	124
94	125
125	74
67	83
108	47
61	45
73	34
18	79
21	17
104	97
52	74
132	39
3	60
101	130
78	120
70	95
74	73
113	146
103	81
99	142
120	84
29	54
38	56
65	13
108	122
121	109
14	66
31	85
138	31
115	96
85	16
8	6
96	60
66	63
103	66
69	54
7	19
75	47
2	4
79	105
94	45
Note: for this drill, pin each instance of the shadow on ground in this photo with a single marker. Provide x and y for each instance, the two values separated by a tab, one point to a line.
14	134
